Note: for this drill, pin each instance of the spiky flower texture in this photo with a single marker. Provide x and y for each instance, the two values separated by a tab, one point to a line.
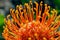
21	24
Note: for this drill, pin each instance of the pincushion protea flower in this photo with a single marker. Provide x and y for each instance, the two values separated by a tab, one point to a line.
21	24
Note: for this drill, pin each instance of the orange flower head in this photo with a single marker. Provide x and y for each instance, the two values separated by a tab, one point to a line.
32	22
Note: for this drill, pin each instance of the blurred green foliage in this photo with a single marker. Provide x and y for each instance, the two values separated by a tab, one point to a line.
1	25
1	20
57	5
24	1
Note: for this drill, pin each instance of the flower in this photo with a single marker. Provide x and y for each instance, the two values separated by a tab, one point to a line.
21	24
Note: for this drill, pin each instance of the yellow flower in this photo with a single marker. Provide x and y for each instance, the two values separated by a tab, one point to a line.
21	24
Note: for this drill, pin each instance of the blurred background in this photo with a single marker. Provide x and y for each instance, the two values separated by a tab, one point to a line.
5	5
